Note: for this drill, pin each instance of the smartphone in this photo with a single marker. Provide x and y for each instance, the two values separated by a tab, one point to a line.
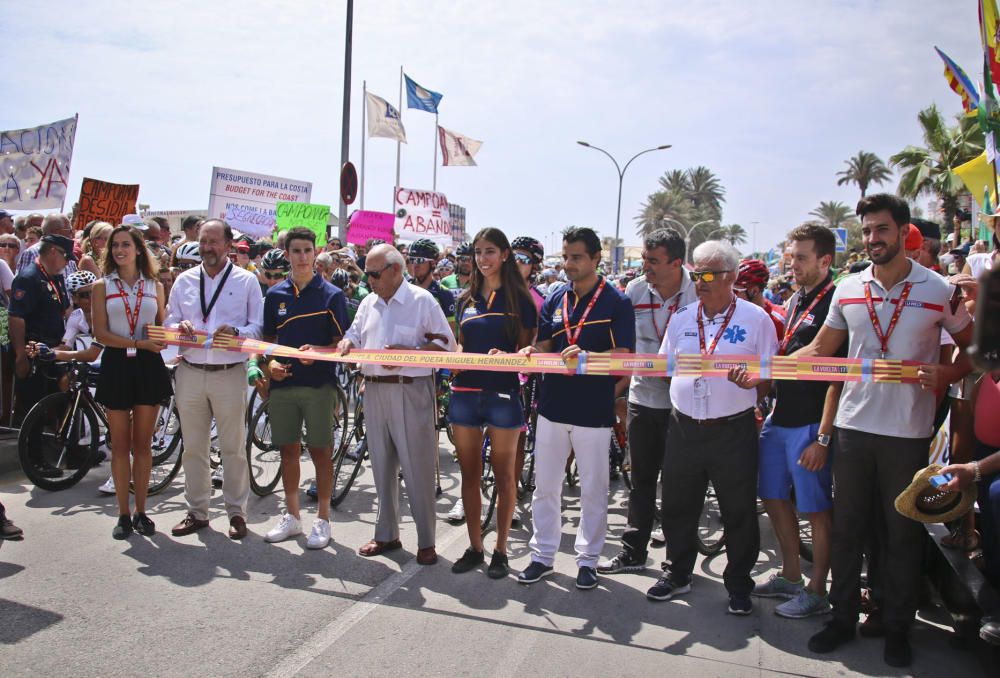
940	480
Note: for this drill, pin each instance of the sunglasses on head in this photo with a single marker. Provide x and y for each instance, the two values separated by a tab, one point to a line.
705	276
417	260
522	258
276	275
375	275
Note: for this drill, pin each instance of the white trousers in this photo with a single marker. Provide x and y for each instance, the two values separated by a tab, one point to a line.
553	443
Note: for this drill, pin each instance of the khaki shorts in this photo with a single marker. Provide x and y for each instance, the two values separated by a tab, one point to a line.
291	406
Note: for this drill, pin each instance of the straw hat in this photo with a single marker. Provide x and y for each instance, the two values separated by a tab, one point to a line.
925	503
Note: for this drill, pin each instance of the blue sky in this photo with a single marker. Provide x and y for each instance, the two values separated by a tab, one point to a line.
771	96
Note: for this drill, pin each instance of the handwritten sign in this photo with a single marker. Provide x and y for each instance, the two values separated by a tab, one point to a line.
35	165
247	201
105	201
314	217
422	214
365	225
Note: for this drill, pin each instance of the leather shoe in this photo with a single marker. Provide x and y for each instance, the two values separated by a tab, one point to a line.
872	626
427	556
237	527
377	548
189	525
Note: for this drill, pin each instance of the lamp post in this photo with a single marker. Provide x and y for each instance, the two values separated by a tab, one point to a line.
621	178
688	230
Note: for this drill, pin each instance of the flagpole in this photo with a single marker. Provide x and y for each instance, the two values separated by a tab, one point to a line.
435	151
364	137
346	121
399	144
62	205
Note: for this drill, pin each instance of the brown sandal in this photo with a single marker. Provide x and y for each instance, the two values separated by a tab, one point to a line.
961	540
377	548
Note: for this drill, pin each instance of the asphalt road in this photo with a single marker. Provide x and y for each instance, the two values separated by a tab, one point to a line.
75	602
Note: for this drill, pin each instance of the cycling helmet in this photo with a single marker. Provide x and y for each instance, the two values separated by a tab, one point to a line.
530	245
445	267
80	279
464	250
424	247
275	260
752	272
340	278
189	252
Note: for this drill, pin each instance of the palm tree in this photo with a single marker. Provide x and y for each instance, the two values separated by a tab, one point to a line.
735	234
706	192
686	196
833	214
930	168
864	169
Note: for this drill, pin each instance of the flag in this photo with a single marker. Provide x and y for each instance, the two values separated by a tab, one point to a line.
989	24
34	163
383	119
959	83
457	149
421	98
978	178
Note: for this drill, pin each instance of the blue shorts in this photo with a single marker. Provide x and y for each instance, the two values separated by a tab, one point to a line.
486	408
780	449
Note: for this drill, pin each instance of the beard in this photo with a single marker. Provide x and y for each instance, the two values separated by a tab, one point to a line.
889	253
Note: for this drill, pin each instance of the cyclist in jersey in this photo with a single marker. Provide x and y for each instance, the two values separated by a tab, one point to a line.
496	315
459	280
421	258
751	281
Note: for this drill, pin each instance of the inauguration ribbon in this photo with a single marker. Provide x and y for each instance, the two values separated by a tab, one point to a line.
589	364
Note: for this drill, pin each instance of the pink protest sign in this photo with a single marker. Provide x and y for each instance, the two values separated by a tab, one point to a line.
365	225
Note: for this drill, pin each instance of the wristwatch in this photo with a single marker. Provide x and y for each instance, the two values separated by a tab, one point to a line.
823	439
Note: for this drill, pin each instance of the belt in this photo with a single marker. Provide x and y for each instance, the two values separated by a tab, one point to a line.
717	420
395	379
211	368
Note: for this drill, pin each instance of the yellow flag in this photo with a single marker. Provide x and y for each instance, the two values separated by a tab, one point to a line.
977	177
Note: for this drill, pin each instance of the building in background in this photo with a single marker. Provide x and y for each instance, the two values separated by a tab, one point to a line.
173	217
458	234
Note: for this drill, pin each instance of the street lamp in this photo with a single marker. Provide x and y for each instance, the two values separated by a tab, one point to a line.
621	178
688	230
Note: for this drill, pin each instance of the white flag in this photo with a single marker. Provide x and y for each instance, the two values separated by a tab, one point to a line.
35	165
457	149
383	119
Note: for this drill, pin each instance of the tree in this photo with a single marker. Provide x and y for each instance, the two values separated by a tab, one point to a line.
864	169
833	214
687	197
929	169
735	234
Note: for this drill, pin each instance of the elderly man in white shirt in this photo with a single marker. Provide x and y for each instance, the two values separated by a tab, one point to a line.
399	402
221	299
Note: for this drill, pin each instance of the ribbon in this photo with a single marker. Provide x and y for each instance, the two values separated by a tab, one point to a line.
602	364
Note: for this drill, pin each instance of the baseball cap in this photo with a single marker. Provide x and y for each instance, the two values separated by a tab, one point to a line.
914	240
242	246
4	214
62	242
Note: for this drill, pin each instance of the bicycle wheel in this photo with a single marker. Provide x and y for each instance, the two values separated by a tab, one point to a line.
168	447
711	533
263	456
341	420
488	486
58	441
527	474
350	457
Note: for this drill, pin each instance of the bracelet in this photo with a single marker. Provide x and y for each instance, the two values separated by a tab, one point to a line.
977	474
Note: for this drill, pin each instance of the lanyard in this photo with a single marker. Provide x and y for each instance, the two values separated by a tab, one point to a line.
883	339
718	335
133	319
207	310
652	314
49	282
570	337
791	328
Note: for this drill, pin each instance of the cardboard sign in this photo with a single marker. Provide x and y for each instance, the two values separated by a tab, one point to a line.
422	214
105	201
314	217
35	165
365	225
247	201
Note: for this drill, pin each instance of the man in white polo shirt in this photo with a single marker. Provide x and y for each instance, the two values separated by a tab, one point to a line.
712	436
893	309
656	297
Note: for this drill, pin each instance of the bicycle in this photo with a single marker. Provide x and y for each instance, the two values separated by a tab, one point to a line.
351	456
526	479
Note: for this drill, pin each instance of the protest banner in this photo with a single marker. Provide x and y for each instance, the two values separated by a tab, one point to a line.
105	201
247	201
35	165
365	225
422	214
314	217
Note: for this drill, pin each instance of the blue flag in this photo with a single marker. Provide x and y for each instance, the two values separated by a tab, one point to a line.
420	98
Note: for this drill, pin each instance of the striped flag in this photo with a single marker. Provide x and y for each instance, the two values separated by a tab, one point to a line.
457	149
959	83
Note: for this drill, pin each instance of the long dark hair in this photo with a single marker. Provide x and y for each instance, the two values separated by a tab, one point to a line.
144	262
515	289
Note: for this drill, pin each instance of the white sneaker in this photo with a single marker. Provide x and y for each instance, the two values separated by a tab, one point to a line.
457	512
108	487
656	537
217	476
320	535
288	526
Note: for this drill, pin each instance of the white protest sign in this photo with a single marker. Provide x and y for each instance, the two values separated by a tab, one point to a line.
247	201
422	214
35	165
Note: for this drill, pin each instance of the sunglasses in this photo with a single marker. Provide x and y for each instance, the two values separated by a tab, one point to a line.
522	258
465	258
9	246
185	265
375	275
705	276
417	260
277	275
83	295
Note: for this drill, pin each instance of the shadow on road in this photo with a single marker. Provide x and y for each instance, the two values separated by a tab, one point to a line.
23	621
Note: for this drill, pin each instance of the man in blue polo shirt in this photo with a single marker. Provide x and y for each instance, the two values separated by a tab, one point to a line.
304	311
576	412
